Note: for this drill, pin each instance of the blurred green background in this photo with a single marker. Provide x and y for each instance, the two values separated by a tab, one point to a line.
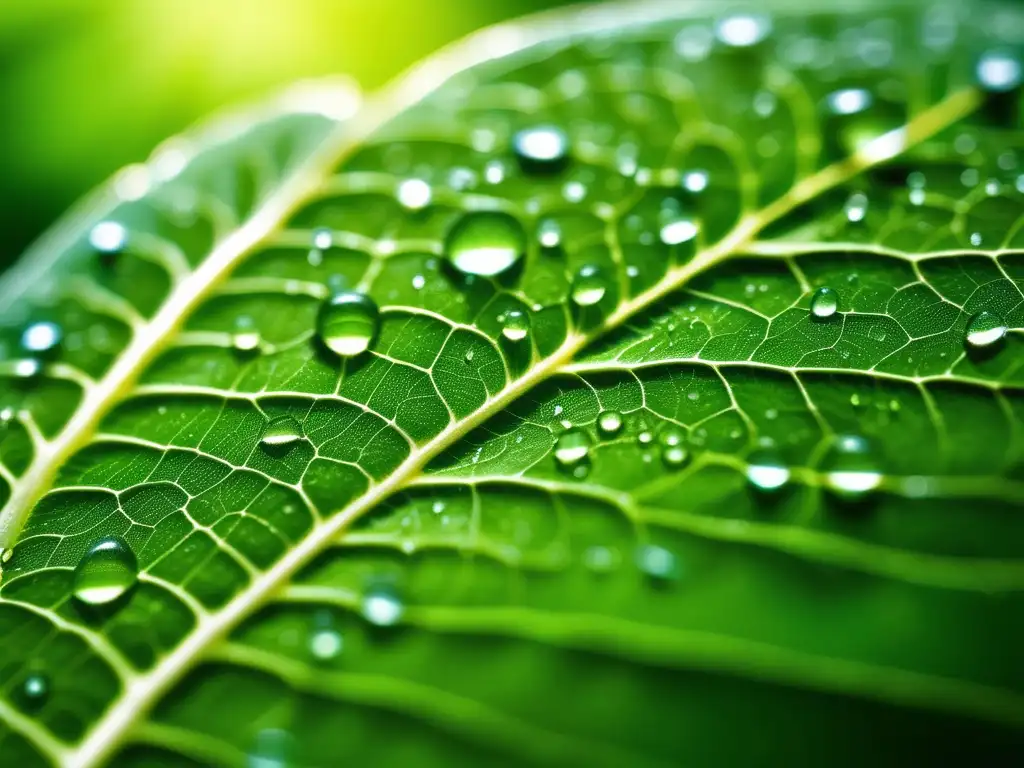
87	86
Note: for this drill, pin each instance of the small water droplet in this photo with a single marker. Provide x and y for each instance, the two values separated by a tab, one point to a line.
856	207
348	322
470	354
414	194
609	422
600	559
574	191
645	436
673	453
541	148
678	231
549	234
824	303
743	30
494	172
108	237
848	101
382	606
281	430
571	448
323	238
657	563
106	571
516	325
851	471
325	642
35	689
766	471
485	243
985	329
589	286
975	239
999	71
695	181
245	337
41	337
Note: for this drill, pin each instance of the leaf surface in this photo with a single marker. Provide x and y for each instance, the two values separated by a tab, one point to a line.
693	517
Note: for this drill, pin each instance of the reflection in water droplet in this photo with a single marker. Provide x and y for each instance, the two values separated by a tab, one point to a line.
43	336
323	238
856	207
609	422
35	689
824	303
414	194
108	237
572	447
382	606
673	454
549	234
695	181
998	71
325	642
348	322
485	243
985	329
678	231
848	101
282	430
851	471
541	148
657	563
245	337
106	571
516	325
766	471
589	286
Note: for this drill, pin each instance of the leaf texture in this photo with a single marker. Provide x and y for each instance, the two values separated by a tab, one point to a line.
697	516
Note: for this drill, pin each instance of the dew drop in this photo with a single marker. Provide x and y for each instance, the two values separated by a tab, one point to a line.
27	368
245	337
856	207
325	642
645	436
678	231
541	148
41	337
281	430
382	606
485	243
35	689
851	471
414	194
985	329
848	101
348	322
589	286
998	71
609	422
571	448
323	238
742	30
108	237
549	234
516	325
105	572
695	181
766	471
673	453
657	563
824	303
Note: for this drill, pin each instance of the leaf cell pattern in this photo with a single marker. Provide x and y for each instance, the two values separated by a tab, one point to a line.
550	548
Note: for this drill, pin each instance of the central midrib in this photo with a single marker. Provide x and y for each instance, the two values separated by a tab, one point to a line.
145	690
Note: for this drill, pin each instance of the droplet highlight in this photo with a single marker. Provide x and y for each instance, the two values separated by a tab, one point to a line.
609	423
348	322
541	148
572	447
985	329
589	286
282	430
515	325
851	470
824	303
382	606
766	471
106	571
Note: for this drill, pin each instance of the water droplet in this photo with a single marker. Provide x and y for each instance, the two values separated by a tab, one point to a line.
469	355
589	286
574	191
673	453
281	430
848	101
325	642
541	148
985	329
850	468
609	422
494	172
599	559
998	71
414	194
645	436
27	368
678	231
485	243
323	238
856	207
657	563
348	322
975	239
743	30
516	325
43	336
766	470
695	181
108	237
382	606
105	572
824	303
572	447
549	234
245	337
35	689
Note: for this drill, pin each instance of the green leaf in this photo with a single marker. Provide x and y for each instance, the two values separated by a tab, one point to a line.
703	511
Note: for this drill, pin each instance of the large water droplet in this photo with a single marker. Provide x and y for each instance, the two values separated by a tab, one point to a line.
41	337
824	303
541	148
985	329
851	471
766	471
516	325
382	606
609	422
572	447
348	322
105	572
282	430
589	286
485	243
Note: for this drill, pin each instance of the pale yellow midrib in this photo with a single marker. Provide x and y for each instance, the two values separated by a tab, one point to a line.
142	692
